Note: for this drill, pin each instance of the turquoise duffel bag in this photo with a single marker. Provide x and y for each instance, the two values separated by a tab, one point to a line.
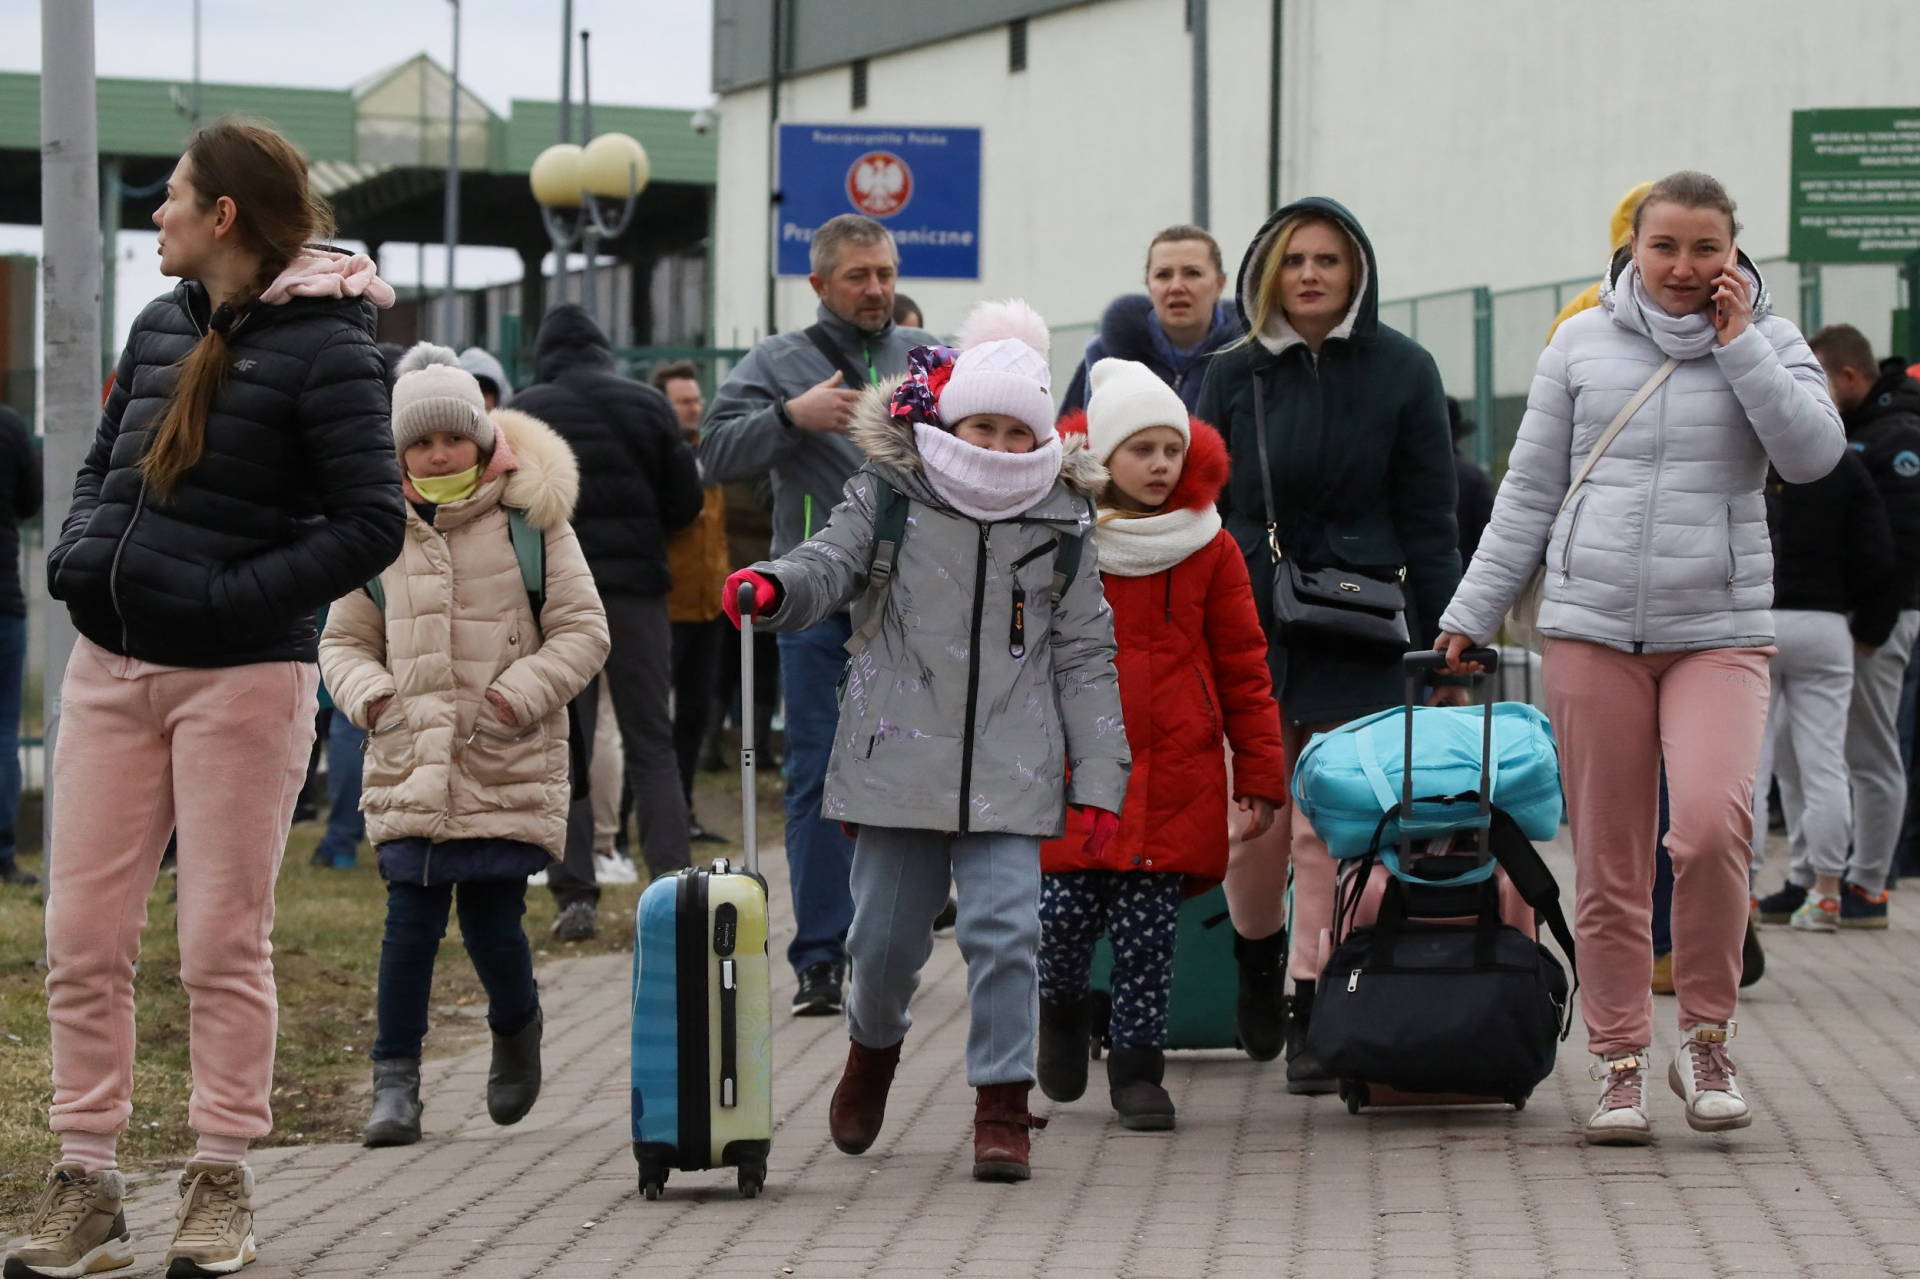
1346	780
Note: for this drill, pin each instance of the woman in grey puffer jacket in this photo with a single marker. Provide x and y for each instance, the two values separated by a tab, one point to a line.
982	673
1657	616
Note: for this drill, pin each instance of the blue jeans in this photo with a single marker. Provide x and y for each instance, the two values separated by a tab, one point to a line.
1662	879
346	825
819	854
13	665
489	925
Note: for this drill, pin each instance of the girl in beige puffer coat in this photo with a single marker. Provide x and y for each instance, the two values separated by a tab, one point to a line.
463	692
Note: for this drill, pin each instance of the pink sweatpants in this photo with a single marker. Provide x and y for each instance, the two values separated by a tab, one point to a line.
219	753
1615	716
1257	876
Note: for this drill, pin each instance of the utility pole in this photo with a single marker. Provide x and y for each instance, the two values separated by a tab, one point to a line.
1197	20
70	285
451	302
773	151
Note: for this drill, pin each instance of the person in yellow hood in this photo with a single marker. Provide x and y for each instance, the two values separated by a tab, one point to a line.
1621	230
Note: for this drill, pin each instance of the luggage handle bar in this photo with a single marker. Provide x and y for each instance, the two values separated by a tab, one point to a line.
749	797
1416	665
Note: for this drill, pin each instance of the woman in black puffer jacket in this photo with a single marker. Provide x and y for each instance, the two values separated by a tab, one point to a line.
243	476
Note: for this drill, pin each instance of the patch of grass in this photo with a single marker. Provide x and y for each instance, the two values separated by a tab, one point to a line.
326	962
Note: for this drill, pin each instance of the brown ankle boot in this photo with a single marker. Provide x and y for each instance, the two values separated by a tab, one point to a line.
860	1102
1000	1132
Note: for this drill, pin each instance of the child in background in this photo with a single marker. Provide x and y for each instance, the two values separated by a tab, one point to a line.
977	676
1193	667
463	691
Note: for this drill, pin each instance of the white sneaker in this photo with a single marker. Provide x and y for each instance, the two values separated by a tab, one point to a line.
612	868
537	880
1702	1075
1621	1117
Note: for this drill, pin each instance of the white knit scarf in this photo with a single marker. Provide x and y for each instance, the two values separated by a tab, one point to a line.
981	483
1684	337
1148	544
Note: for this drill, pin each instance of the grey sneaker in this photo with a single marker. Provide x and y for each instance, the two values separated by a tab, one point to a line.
215	1234
575	923
77	1227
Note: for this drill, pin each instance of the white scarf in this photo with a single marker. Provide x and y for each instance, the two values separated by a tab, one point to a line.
1684	337
1148	544
983	484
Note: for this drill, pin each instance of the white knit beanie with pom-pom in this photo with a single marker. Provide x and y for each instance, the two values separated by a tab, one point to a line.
431	392
1002	368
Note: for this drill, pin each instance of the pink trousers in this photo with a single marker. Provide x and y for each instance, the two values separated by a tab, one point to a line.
1616	715
1257	876
220	754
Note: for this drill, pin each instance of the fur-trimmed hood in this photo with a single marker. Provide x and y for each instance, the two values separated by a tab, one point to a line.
888	441
1206	471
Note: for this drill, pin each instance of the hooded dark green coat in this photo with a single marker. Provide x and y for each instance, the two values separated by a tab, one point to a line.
1362	472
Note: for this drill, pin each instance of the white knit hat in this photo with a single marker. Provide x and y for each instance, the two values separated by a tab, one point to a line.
433	393
1002	368
1125	397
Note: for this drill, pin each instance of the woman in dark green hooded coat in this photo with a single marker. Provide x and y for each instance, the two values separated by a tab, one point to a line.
1362	470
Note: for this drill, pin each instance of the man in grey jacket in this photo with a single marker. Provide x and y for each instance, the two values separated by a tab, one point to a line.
784	413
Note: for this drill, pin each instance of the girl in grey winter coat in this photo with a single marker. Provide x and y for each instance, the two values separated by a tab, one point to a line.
1657	616
980	700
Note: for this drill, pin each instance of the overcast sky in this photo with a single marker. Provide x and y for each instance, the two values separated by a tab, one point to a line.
645	53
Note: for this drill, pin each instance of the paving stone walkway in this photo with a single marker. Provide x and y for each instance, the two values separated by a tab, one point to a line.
1254	1182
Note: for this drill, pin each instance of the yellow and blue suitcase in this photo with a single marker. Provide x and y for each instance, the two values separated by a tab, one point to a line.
702	1072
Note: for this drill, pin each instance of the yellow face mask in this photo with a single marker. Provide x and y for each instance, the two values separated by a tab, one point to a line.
441	489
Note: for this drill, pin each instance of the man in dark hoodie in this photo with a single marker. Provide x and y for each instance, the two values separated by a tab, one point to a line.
19	500
638	487
1881	412
1175	325
784	413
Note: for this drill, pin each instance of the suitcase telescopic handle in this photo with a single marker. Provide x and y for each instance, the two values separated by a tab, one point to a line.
749	795
1417	665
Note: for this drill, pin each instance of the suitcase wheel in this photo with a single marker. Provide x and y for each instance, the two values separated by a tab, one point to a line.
653	1180
1518	1102
751	1179
1354	1093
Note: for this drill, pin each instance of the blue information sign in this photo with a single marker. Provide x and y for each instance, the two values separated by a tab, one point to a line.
921	182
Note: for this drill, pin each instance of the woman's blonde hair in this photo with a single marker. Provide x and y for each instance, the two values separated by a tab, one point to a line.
1266	293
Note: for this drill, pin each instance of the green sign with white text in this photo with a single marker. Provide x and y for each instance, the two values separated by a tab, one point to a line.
1856	185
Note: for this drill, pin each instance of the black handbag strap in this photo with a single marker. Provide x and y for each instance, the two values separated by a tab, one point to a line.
1266	467
1532	879
817	334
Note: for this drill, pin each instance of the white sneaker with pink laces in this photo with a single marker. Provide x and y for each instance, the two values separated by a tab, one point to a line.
1702	1075
1621	1117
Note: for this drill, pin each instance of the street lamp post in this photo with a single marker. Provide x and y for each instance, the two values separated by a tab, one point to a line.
569	183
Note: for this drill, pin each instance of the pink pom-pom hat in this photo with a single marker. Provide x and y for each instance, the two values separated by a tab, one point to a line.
1002	368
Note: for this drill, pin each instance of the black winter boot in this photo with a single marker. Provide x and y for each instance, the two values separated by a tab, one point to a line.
1260	1013
1133	1084
1066	1041
1305	1076
395	1120
513	1077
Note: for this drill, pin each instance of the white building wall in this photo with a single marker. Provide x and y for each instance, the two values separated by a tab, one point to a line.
1480	143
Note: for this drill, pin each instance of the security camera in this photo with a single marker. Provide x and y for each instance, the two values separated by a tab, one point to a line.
701	122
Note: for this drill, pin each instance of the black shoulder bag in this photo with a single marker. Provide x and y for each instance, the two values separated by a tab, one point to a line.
817	334
1327	607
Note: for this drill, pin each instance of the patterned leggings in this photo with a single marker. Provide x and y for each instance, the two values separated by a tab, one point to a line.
1138	911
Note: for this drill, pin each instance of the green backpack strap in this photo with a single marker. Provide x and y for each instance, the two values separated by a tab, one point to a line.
889	529
529	550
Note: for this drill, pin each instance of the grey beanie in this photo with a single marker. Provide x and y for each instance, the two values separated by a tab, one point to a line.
433	393
479	361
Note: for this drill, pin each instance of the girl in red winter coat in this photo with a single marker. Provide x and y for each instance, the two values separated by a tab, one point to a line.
1193	668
